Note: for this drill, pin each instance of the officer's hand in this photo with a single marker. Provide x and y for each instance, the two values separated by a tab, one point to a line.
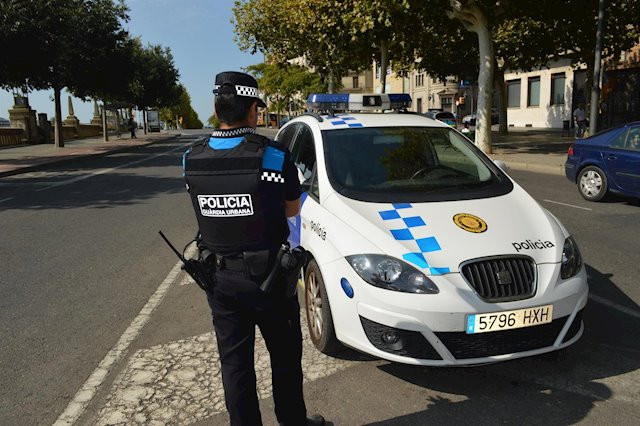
291	208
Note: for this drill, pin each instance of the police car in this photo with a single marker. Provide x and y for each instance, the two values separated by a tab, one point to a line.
422	249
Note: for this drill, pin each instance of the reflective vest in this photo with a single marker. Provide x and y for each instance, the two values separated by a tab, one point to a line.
238	194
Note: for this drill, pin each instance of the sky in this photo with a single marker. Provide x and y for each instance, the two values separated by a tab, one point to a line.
200	35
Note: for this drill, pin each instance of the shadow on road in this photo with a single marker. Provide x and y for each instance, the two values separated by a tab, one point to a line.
556	388
76	185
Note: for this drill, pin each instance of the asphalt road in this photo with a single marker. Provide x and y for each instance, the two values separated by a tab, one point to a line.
89	291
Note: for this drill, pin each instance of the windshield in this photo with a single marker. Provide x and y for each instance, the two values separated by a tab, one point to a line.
409	164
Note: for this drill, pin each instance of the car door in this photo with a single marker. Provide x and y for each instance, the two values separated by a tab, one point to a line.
303	154
628	162
622	159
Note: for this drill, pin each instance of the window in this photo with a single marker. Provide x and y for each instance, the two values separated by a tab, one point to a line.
355	82
513	93
286	136
533	95
419	80
304	152
447	101
633	139
619	141
398	164
557	88
419	105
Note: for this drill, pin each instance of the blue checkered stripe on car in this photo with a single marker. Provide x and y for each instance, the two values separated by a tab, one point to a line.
344	120
405	226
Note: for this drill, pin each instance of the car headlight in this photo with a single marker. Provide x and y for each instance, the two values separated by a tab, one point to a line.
391	274
571	259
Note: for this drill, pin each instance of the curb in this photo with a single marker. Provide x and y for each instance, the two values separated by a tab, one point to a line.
61	160
534	167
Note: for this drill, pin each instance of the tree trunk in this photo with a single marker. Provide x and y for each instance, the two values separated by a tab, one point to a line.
330	83
501	91
384	63
144	120
485	86
59	137
597	65
105	127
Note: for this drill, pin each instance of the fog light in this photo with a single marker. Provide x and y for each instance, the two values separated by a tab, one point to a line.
390	337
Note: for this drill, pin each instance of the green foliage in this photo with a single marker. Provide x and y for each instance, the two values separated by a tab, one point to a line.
154	81
286	84
214	121
59	43
182	108
289	29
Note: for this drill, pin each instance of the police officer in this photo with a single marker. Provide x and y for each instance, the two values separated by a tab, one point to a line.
243	187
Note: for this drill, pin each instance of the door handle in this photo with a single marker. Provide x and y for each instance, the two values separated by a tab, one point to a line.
611	157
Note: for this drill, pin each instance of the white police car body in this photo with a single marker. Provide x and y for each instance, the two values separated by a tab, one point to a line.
423	250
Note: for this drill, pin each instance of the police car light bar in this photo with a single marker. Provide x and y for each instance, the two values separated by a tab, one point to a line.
358	102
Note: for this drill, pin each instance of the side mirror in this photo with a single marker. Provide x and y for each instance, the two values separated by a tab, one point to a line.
501	165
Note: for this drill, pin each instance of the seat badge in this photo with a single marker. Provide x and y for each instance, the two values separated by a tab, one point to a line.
504	277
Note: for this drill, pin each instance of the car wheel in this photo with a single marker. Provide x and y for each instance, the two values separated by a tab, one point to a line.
319	318
592	183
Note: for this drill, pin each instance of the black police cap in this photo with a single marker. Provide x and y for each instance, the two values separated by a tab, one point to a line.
239	84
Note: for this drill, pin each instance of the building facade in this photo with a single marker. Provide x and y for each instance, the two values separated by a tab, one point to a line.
541	98
361	82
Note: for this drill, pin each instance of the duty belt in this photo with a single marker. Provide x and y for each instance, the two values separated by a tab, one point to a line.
231	263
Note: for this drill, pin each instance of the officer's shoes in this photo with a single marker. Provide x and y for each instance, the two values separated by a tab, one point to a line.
315	420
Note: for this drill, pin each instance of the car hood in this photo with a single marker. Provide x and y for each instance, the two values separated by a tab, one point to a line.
438	236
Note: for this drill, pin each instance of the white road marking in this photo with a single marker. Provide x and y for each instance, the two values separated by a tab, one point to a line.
83	397
6	199
568	205
103	171
615	306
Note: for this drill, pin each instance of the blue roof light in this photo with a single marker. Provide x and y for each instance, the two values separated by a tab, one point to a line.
328	101
358	102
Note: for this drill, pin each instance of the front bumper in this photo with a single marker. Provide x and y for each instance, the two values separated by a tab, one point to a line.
432	327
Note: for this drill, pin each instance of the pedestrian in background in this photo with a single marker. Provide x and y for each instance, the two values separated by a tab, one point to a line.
580	120
131	125
243	186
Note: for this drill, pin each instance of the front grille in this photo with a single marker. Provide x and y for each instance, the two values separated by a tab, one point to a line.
501	279
411	344
466	346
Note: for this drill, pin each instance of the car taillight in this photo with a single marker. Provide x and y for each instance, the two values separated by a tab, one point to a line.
570	151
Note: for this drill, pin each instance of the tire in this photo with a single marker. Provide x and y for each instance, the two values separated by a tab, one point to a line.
592	183
319	319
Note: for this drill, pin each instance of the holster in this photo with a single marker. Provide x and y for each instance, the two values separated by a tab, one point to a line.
256	262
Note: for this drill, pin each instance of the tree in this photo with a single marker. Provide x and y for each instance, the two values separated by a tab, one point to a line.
292	29
59	43
154	80
181	109
213	121
286	83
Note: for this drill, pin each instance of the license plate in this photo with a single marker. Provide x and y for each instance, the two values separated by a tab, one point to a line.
507	320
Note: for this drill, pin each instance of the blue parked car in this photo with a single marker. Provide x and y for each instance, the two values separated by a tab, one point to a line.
608	161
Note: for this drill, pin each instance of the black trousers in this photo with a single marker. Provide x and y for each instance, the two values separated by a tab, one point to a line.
238	305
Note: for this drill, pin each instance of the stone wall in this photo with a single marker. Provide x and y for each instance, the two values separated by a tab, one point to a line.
11	136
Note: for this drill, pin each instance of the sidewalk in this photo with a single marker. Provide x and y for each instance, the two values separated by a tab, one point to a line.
26	158
535	150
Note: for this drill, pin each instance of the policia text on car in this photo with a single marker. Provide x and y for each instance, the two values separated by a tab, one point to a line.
243	187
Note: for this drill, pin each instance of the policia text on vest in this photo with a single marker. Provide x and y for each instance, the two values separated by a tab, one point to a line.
229	205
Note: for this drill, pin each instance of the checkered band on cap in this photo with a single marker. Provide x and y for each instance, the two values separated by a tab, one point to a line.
251	92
